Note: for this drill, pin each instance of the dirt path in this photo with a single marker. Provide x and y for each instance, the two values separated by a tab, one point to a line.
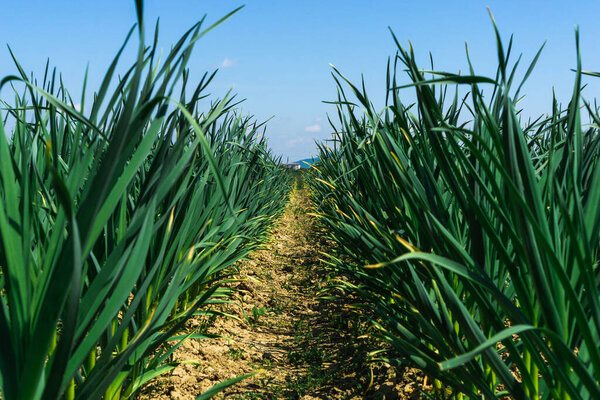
304	348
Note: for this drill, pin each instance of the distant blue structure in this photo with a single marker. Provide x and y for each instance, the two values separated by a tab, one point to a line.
307	162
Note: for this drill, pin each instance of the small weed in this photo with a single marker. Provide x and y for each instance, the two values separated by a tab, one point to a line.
276	304
255	316
257	313
236	353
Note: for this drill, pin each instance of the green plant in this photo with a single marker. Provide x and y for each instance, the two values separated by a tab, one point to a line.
236	353
474	237
119	220
257	313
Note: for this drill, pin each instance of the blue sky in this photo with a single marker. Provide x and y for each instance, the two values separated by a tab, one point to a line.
276	53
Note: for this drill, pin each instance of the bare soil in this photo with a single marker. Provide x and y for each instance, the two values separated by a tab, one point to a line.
302	348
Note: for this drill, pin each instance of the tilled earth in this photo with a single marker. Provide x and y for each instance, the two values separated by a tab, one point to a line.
301	347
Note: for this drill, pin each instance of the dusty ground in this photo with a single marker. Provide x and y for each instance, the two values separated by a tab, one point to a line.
303	348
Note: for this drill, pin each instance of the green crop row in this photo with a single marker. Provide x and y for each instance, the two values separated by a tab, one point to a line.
120	219
472	235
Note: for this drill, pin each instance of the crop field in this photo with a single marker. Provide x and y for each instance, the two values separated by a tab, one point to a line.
153	246
474	243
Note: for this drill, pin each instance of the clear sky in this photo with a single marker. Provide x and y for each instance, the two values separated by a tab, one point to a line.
276	53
